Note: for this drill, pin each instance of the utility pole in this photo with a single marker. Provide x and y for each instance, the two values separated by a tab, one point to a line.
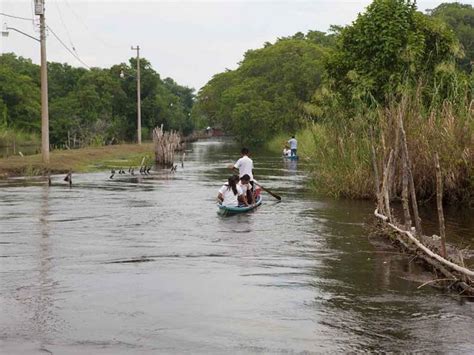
139	103
39	10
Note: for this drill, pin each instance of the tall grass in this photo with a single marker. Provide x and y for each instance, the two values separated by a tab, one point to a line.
340	159
446	129
10	137
339	166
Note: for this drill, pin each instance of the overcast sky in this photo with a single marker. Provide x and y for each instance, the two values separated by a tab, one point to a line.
189	41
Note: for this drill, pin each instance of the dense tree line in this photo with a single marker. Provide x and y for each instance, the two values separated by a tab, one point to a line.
334	76
460	18
265	95
93	106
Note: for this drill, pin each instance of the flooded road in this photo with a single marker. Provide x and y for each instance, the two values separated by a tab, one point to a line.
139	265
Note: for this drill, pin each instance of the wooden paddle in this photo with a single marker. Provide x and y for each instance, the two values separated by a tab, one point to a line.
269	192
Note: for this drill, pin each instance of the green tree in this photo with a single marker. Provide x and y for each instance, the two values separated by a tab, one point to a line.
183	101
386	46
91	106
275	80
20	95
88	111
460	18
20	65
209	108
62	79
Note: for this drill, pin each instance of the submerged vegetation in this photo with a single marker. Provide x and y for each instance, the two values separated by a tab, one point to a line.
342	92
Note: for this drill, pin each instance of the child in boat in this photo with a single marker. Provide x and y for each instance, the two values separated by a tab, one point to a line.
230	193
247	190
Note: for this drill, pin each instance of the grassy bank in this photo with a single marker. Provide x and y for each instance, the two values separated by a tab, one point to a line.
78	160
9	138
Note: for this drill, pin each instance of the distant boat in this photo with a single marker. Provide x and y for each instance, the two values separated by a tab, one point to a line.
228	210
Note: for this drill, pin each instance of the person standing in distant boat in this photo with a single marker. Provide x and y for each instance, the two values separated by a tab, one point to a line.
293	145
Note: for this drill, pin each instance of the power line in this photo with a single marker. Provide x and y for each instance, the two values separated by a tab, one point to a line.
68	49
55	35
17	17
65	27
95	34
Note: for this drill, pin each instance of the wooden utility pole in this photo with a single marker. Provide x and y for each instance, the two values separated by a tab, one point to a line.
139	103
39	10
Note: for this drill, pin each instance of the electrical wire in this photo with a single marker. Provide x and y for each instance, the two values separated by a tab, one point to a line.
75	55
17	17
95	36
67	48
65	27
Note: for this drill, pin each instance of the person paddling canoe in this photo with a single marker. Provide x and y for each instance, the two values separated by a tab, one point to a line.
244	166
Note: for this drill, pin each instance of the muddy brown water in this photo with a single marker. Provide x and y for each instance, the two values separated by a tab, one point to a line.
139	265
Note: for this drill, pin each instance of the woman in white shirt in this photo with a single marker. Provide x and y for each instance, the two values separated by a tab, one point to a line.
230	193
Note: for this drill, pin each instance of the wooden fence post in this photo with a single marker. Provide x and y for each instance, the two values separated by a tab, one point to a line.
406	157
385	186
439	202
406	206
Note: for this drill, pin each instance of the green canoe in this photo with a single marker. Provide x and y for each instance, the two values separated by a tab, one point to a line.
227	211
